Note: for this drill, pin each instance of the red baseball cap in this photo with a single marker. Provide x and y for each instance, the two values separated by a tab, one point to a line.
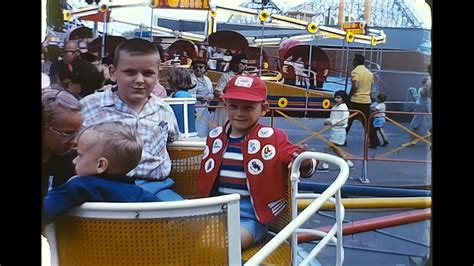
243	87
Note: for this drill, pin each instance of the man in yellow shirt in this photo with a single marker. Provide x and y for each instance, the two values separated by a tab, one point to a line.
361	88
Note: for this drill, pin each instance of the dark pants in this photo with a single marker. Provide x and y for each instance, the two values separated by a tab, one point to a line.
364	108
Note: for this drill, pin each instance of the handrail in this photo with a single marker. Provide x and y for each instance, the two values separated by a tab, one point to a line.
123	209
305	215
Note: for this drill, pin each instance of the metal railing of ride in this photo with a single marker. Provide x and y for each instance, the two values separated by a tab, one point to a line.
364	178
334	235
353	113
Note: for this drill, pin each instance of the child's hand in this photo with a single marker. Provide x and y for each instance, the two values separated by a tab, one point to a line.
307	167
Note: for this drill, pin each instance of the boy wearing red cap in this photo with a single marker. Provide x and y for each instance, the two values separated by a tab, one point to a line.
249	158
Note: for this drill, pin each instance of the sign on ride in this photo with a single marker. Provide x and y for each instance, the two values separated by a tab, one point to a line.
356	27
181	4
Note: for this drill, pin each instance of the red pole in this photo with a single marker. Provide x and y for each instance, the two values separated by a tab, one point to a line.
373	224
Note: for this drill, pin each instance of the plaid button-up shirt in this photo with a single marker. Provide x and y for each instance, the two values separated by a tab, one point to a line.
156	125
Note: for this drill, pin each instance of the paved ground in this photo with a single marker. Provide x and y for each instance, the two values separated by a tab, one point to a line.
380	173
408	244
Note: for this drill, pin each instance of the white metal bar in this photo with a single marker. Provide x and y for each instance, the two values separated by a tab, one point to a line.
293	21
186	119
266	41
50	234
151	25
233	226
307	213
92	209
315	251
303	38
260	65
104	34
316	233
332	30
294	213
189	143
339	219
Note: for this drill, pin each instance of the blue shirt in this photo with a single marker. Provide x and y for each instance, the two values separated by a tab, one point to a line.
82	189
182	94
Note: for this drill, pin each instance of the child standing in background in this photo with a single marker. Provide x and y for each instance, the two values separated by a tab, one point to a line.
378	122
338	121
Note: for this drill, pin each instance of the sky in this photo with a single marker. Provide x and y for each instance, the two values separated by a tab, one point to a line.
142	15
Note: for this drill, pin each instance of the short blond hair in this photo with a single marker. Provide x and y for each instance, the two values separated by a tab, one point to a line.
120	144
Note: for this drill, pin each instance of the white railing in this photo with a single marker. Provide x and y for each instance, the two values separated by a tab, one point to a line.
293	227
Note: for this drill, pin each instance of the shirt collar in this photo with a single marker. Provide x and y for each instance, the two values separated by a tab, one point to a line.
110	97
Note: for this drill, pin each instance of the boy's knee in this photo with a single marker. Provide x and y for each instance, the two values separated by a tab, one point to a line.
246	238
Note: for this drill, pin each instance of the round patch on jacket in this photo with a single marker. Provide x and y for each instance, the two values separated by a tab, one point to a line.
265	132
205	153
268	152
209	165
255	166
215	132
253	146
216	146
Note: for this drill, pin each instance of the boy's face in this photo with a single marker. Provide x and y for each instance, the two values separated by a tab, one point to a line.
243	114
136	75
88	154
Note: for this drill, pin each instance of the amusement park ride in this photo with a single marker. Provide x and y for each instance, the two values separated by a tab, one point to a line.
300	79
292	83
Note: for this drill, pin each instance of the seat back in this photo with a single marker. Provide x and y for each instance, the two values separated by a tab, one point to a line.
186	158
198	231
285	216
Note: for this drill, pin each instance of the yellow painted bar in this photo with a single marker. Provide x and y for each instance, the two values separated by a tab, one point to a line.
368	203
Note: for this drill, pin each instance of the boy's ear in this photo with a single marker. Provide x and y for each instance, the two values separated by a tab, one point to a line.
102	165
265	108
